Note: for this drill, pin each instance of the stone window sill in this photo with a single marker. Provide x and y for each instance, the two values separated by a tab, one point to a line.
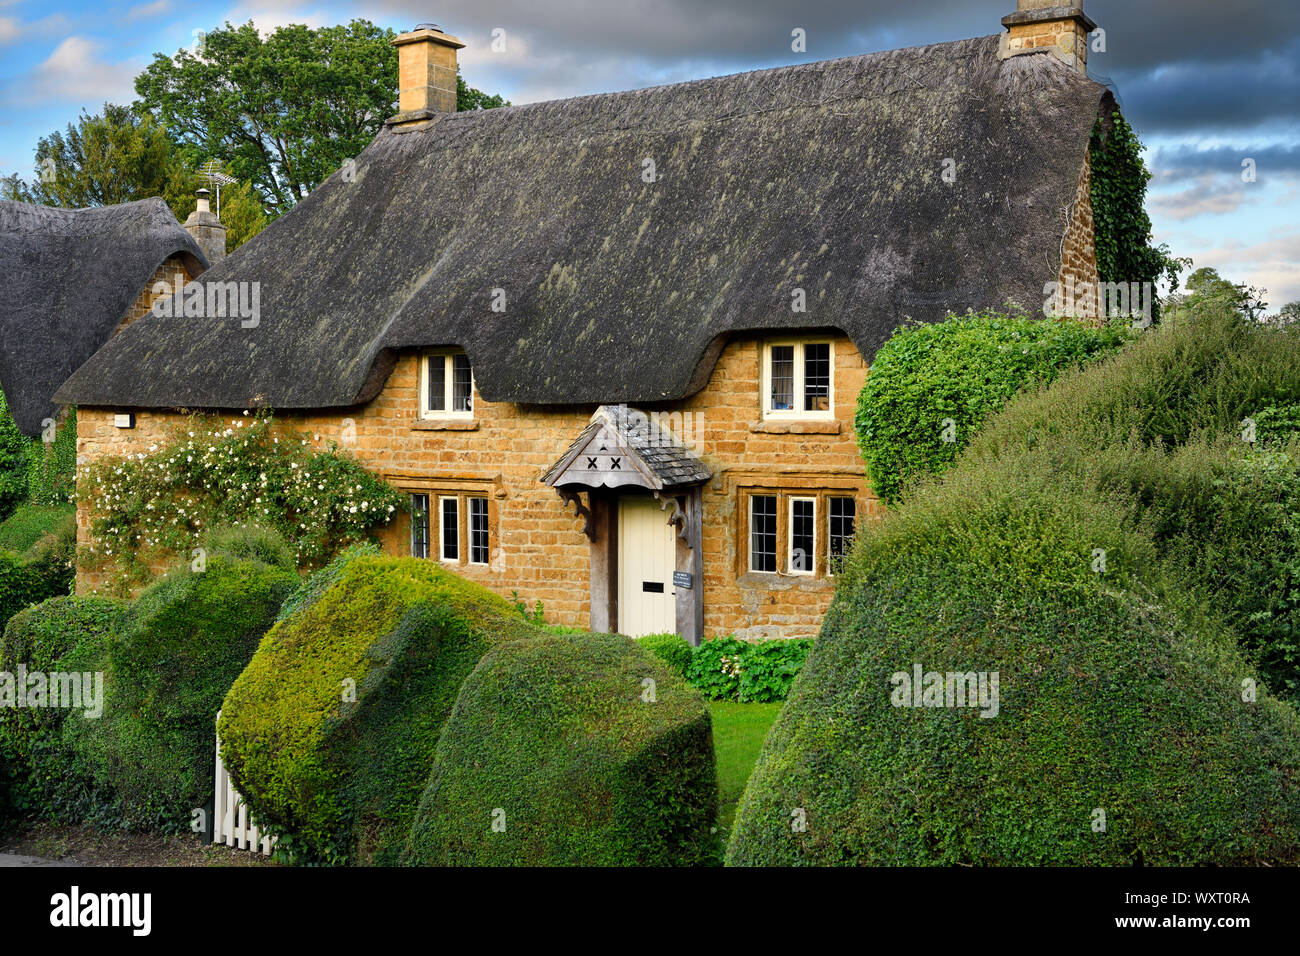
444	425
776	427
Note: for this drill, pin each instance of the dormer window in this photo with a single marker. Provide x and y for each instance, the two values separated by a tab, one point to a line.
447	386
797	379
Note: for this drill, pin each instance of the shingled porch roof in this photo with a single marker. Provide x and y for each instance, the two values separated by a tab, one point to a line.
651	455
823	176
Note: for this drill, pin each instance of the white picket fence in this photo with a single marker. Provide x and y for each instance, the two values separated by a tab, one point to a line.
231	824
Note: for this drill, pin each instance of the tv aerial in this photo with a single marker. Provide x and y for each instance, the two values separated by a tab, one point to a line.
211	171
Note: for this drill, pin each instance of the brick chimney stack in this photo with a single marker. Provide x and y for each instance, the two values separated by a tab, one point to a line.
1048	25
207	230
426	71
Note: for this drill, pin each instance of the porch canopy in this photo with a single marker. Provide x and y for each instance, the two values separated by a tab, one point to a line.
622	446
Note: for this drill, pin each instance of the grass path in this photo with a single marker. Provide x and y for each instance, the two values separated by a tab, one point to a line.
738	734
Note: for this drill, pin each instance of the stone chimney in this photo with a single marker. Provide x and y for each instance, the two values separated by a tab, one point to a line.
426	74
207	229
1047	25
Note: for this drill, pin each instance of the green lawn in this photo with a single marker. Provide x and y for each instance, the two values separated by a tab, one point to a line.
738	734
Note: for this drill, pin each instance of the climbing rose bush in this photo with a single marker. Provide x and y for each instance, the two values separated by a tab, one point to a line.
212	473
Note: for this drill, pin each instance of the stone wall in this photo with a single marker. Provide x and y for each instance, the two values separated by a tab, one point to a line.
171	268
536	545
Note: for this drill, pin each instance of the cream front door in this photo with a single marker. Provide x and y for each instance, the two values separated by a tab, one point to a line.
647	555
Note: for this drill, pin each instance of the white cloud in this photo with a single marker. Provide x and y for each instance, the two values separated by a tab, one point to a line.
1206	196
75	72
267	15
9	30
147	11
1271	263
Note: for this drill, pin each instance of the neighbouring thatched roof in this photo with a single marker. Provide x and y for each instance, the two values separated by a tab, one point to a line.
67	279
825	176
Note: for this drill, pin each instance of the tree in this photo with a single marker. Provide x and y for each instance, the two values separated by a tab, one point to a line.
113	157
1206	285
122	155
285	110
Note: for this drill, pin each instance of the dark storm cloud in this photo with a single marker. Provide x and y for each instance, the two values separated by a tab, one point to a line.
1187	162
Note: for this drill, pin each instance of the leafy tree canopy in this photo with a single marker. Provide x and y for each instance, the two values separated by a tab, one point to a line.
279	113
286	109
1205	286
123	154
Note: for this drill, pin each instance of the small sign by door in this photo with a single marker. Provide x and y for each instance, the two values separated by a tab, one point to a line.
683	579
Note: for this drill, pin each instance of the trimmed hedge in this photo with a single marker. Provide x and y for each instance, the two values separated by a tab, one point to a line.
932	386
29	523
1102	546
44	569
330	731
60	634
555	756
168	664
672	649
13	462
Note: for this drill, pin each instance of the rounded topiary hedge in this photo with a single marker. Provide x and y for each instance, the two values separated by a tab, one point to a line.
1101	547
561	752
66	634
168	664
330	731
932	385
672	649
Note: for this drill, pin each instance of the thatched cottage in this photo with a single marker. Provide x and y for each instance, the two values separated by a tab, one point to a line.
69	280
611	346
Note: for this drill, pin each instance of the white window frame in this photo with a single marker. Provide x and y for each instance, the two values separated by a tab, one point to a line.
749	535
469	529
765	383
830	558
811	570
442	539
447	357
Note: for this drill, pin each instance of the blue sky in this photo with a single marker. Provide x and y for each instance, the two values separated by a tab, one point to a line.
1206	84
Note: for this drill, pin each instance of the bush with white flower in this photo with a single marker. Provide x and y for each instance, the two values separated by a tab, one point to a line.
214	472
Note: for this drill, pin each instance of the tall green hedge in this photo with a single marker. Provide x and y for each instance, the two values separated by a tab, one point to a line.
40	774
13	462
1105	546
330	731
44	567
571	750
168	664
932	386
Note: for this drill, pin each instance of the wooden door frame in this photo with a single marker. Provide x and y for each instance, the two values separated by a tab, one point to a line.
603	504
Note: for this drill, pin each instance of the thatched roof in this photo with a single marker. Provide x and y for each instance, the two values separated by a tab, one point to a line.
825	176
67	279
